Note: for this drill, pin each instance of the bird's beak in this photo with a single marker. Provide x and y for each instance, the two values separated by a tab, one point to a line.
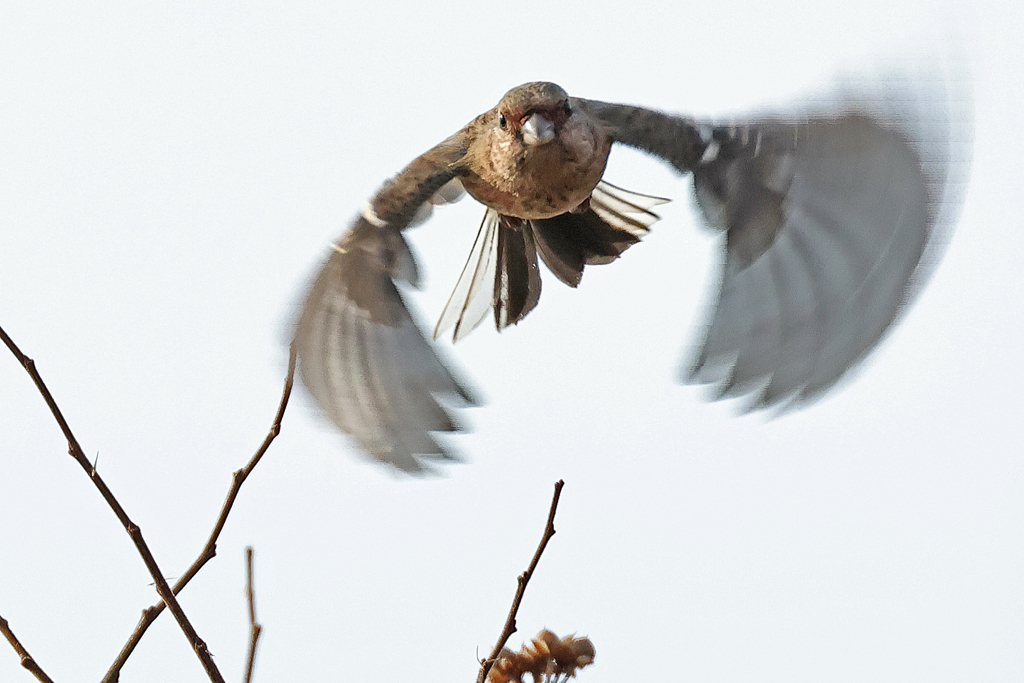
537	130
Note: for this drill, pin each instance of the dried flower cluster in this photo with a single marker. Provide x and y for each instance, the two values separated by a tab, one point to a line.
547	659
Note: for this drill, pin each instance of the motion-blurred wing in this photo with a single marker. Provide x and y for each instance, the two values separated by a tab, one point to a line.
361	355
827	221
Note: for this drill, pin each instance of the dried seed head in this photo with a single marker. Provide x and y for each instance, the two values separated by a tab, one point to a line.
584	650
547	658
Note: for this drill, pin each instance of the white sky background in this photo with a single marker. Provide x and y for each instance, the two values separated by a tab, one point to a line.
171	176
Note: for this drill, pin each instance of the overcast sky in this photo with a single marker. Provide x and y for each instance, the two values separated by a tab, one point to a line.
170	178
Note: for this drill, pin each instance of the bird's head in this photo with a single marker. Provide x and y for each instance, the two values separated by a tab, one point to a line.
534	112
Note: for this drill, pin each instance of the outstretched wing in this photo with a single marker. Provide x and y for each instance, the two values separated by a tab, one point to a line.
361	354
826	226
826	221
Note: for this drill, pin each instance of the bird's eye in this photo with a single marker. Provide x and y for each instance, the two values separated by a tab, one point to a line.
567	107
502	122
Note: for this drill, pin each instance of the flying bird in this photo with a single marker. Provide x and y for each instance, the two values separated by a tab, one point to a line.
826	218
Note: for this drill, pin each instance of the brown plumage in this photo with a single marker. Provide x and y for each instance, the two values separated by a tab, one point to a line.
826	219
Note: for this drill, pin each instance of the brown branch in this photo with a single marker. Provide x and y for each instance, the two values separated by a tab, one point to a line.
254	629
524	578
26	658
209	550
75	450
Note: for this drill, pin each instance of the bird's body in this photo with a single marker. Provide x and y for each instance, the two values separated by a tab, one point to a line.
825	219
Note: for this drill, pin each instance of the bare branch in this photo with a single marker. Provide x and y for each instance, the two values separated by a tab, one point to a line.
75	450
209	550
26	659
524	578
254	629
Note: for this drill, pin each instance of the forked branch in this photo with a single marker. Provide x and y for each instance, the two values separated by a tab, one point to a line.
209	550
75	450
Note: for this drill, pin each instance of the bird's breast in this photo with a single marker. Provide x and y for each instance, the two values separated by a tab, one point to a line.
540	181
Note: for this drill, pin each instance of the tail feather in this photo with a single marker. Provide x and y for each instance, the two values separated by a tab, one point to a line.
506	250
517	278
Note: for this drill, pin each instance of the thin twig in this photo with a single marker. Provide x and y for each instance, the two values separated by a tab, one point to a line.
254	629
524	578
209	550
26	659
75	450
